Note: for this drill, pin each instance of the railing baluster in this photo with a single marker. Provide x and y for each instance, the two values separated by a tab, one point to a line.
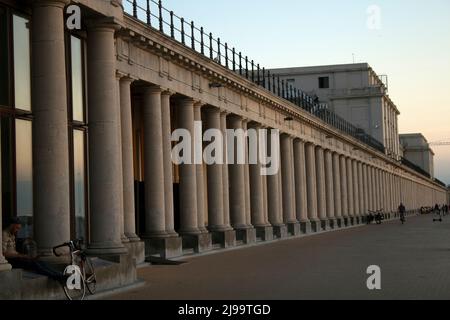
273	84
240	63
172	27
234	60
192	35
202	41
279	87
135	8
253	71
218	51
246	67
149	14
226	56
264	77
161	24
268	81
258	74
182	32
211	55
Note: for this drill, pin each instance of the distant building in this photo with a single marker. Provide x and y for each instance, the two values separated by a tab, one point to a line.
354	92
416	149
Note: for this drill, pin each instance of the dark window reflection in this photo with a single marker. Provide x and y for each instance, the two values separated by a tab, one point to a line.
6	158
77	79
24	168
22	81
4	83
79	183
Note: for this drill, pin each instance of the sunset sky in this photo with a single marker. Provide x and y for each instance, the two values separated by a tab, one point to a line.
411	46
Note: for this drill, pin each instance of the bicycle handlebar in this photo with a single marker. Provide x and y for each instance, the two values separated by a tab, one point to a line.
67	244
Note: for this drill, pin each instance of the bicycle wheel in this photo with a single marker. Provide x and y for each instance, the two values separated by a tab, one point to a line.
75	288
90	277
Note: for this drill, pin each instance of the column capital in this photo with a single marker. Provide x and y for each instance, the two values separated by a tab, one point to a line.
167	92
108	23
122	76
52	3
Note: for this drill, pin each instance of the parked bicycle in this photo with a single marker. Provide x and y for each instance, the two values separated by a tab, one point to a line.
80	273
376	216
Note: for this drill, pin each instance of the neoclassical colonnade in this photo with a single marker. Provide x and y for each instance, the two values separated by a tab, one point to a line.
319	186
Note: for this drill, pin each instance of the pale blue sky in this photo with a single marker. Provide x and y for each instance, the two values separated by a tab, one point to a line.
412	47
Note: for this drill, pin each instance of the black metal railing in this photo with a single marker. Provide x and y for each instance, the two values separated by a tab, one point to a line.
186	32
416	168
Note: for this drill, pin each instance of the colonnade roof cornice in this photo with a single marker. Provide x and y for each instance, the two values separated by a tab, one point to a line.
183	56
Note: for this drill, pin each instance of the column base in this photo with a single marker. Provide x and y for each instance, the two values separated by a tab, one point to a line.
5	267
305	227
106	249
324	225
136	250
352	221
315	226
201	242
166	248
133	237
248	236
280	231
264	233
332	223
226	239
293	228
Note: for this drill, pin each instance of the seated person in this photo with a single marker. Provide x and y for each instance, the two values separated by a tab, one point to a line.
23	261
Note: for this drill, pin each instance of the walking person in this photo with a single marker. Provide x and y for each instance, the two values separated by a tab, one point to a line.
402	210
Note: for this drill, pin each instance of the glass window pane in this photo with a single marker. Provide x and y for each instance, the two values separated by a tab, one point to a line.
79	172
24	173
7	185
22	80
77	79
4	83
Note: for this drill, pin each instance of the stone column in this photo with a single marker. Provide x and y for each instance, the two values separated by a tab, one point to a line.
248	215
356	194
221	231
374	189
311	185
123	237
344	191
366	189
203	242
127	160
329	187
51	174
350	194
193	237
167	163
105	163
201	197
274	200
288	196
264	231
337	190
238	206
361	190
155	218
321	191
225	176
301	186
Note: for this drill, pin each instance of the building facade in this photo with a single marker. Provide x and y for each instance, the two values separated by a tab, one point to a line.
354	92
86	123
416	149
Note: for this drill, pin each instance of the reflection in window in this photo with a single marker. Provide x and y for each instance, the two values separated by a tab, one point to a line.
77	79
24	168
4	83
22	81
79	183
6	168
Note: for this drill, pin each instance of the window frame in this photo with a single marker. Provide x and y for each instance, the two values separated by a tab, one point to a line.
324	82
9	111
74	125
